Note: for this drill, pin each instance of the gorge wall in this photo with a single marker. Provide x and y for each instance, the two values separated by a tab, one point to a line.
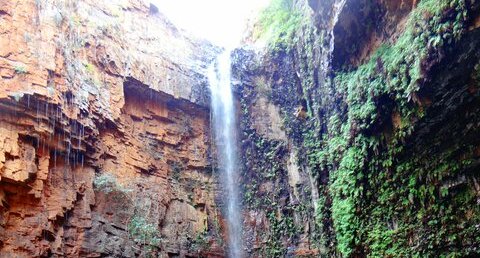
104	133
359	128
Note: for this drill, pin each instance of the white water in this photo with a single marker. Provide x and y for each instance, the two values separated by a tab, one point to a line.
223	111
337	9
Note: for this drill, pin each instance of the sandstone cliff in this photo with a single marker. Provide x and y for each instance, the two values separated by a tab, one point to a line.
104	133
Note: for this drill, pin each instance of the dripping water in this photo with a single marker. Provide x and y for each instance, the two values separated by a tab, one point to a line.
223	118
337	10
327	57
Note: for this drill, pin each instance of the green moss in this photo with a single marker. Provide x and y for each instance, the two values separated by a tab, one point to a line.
386	198
279	228
320	219
397	69
358	171
90	68
268	168
278	23
265	181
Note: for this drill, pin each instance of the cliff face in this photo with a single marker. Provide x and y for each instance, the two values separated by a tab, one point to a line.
360	132
104	133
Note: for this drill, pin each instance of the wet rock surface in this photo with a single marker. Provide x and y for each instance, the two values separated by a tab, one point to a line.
349	178
104	133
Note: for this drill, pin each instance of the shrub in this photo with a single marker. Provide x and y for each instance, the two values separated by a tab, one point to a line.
145	233
107	183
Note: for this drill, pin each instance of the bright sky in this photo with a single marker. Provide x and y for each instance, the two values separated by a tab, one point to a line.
220	21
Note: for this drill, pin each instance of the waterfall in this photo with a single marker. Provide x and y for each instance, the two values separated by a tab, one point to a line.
224	125
337	10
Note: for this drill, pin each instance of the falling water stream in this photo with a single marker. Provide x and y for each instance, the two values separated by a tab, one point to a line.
223	114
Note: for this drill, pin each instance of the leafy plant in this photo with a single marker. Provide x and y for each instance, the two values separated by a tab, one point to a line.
144	232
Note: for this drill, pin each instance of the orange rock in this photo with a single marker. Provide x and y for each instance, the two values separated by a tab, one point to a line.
88	102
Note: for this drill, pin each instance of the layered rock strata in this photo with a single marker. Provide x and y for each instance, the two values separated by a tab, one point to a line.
104	133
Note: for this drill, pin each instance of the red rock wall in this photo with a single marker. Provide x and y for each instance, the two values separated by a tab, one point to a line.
90	89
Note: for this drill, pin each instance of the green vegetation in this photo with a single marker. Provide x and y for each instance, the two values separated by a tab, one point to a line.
281	227
92	76
140	229
320	233
107	183
176	170
267	168
144	232
374	195
90	68
278	23
383	199
20	69
266	181
200	242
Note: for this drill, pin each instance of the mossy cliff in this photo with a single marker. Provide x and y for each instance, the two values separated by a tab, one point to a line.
361	130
